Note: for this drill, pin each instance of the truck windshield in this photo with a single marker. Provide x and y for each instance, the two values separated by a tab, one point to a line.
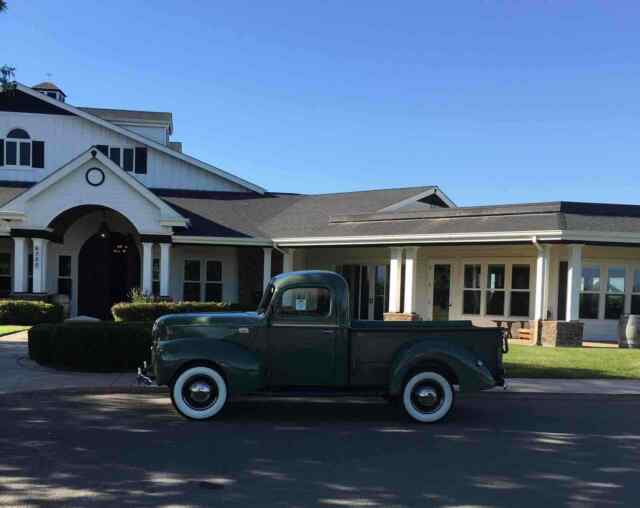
266	299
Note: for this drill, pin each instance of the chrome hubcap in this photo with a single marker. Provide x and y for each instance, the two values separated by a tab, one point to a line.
200	391
427	397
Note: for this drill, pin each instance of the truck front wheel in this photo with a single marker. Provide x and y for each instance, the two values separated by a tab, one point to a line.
427	396
199	393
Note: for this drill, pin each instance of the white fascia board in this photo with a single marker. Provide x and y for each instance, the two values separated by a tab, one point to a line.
491	237
223	240
142	139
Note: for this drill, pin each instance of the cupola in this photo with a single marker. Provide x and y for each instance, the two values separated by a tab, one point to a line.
50	90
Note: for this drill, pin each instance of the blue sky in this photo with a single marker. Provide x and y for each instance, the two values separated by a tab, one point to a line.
494	101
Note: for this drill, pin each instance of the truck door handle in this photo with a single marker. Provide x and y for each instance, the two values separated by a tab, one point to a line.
328	332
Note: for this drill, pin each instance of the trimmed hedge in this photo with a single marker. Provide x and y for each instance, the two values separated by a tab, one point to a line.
150	311
29	312
92	347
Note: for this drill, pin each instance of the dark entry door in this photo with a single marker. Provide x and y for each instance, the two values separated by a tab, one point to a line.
108	268
441	292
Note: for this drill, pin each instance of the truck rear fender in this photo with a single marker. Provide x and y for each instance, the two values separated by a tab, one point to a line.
242	369
458	364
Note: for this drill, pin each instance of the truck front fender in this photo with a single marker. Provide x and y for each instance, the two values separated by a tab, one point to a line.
243	369
469	373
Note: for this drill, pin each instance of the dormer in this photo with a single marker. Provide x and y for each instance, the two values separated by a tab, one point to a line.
155	125
50	90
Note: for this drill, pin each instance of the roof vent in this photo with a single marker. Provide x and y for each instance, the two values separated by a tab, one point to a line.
50	90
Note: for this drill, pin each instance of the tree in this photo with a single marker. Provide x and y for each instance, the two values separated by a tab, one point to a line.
3	5
7	73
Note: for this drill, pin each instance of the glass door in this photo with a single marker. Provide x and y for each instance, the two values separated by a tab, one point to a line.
368	289
441	292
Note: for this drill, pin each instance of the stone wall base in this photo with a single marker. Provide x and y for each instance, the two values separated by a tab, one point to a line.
557	333
399	316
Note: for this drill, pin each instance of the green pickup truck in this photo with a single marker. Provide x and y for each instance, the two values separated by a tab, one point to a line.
302	338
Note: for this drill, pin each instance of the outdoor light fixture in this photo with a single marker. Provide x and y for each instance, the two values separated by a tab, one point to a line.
104	230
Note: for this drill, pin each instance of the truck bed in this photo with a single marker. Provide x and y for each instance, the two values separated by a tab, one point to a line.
374	343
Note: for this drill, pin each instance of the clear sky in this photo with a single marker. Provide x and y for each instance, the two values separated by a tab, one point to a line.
494	101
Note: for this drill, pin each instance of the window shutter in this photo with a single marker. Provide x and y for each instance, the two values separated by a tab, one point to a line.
37	148
104	149
1	152
141	159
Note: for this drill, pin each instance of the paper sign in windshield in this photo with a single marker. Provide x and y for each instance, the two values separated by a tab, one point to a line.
301	304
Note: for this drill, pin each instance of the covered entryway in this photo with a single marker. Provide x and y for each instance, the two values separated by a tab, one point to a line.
108	269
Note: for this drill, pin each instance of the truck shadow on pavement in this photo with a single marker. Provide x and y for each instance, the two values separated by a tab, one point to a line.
61	449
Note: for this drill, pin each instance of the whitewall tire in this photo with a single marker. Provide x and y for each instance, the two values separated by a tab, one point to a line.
199	393
427	397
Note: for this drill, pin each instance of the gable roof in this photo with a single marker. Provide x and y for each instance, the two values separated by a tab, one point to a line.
14	208
141	139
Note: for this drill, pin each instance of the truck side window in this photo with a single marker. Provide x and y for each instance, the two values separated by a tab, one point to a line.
304	302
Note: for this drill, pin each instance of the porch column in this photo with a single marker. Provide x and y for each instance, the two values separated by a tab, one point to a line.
40	265
395	282
266	273
542	283
165	268
20	265
287	261
574	278
147	265
410	261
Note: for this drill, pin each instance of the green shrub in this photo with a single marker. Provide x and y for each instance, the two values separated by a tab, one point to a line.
27	312
92	347
150	311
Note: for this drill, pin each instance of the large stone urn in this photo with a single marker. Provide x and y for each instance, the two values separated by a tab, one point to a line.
629	331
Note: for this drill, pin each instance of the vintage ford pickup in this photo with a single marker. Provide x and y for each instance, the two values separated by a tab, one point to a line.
302	337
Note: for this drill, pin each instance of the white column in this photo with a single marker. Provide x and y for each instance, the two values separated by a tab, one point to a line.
574	278
395	282
40	265
542	282
165	268
147	266
287	261
266	277
410	262
20	265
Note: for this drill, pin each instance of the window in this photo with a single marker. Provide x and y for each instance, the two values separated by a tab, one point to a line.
5	272
202	280
127	159
141	160
520	290
304	302
495	290
635	292
19	150
614	299
590	292
64	275
114	155
472	291
155	276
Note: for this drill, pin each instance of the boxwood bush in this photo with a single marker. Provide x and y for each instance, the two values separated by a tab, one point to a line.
150	311
29	312
91	347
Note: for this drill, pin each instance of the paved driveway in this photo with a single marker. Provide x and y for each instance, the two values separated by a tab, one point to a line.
117	450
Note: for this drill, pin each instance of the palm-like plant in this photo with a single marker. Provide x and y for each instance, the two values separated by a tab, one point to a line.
3	5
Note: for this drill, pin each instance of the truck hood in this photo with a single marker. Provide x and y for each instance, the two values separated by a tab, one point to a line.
214	319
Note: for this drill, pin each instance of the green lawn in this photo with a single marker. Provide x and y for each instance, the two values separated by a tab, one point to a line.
572	363
7	329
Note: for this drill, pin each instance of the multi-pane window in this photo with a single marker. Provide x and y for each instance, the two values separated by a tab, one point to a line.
5	272
590	292
495	290
614	298
202	280
19	150
129	159
472	289
520	290
64	275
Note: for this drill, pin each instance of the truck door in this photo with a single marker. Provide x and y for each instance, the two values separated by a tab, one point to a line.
302	338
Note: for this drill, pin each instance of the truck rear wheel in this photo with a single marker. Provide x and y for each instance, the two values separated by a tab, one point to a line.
199	393
427	396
